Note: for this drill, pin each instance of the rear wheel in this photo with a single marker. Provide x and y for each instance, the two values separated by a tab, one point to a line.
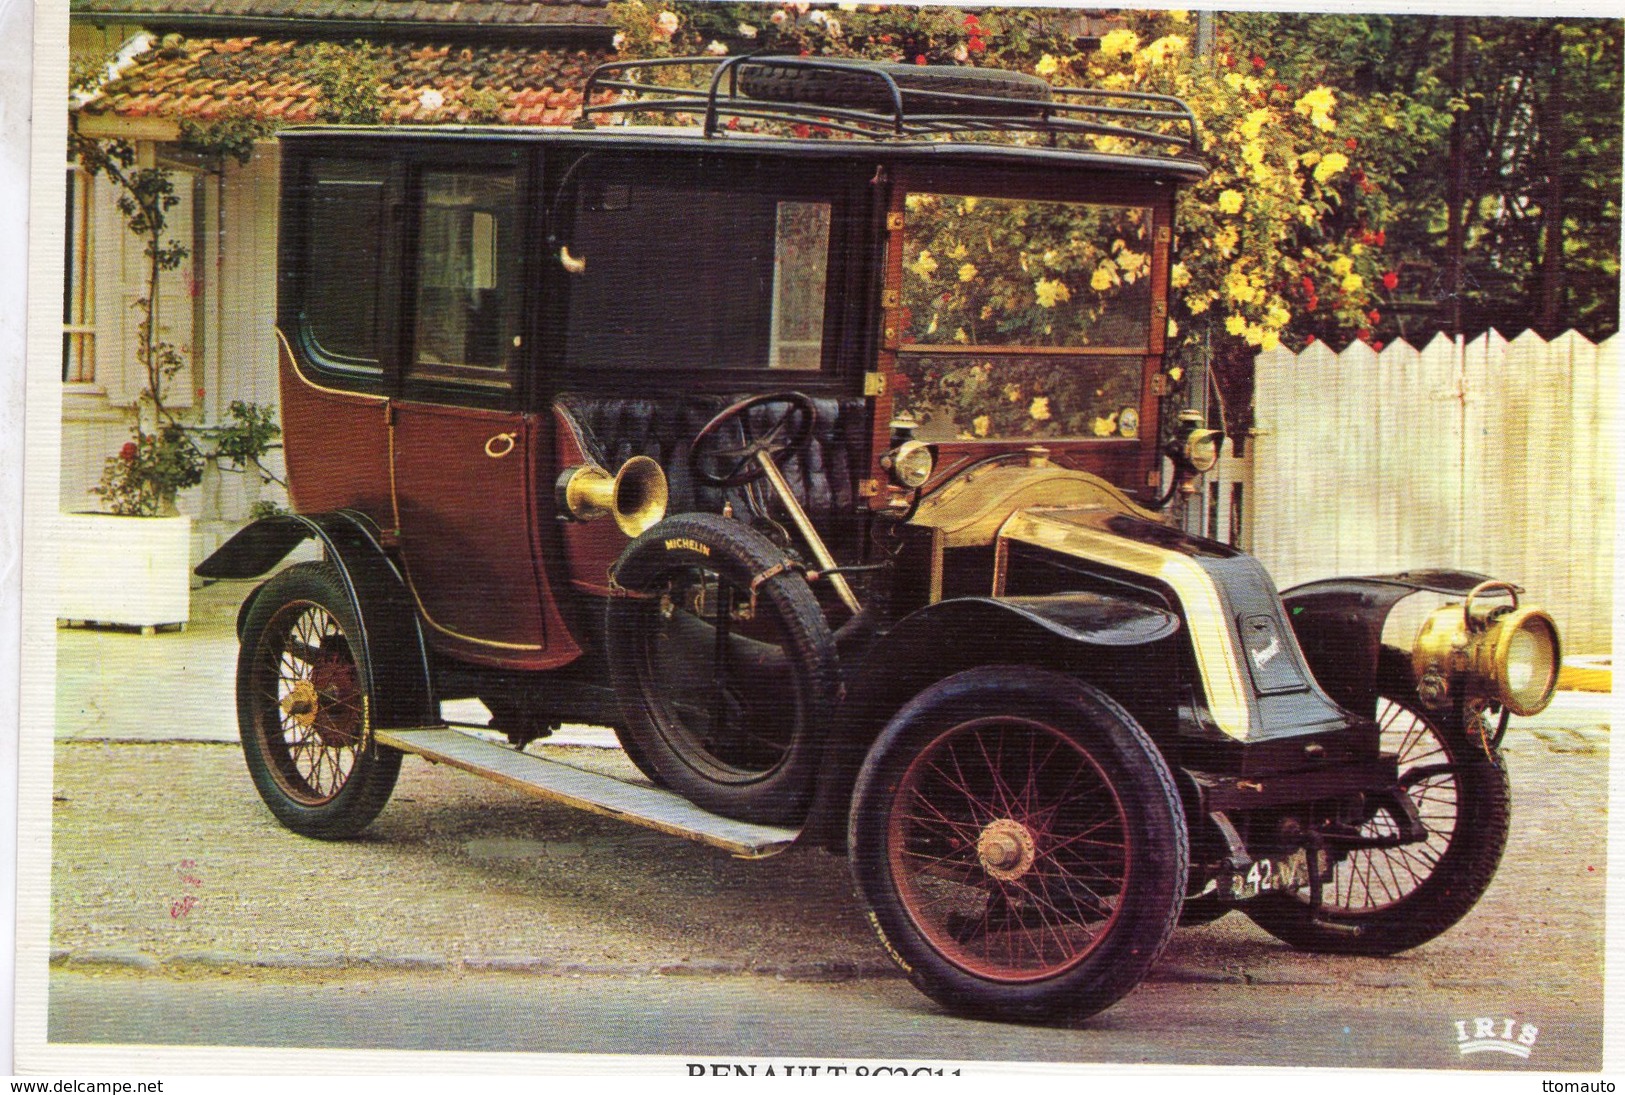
1386	900
303	710
1021	845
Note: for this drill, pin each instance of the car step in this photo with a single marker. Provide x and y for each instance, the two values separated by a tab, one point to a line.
599	794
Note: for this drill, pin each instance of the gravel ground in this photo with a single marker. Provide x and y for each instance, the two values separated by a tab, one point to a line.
164	859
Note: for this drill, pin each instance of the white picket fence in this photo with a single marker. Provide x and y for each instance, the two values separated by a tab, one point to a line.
1490	455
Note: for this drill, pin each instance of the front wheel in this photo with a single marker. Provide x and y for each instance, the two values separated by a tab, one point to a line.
303	710
1386	900
1021	845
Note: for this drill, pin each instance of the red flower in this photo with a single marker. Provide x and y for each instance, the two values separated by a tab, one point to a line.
1308	285
975	45
1258	64
1363	334
971	20
885	38
1374	316
801	130
1376	346
1351	144
1390	281
1382	237
919	58
1309	341
127	453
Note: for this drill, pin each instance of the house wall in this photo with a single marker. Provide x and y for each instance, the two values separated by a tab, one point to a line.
219	307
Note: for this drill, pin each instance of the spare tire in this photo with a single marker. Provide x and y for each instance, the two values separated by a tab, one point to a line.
725	670
926	89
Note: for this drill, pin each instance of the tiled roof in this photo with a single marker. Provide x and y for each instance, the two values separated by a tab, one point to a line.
202	78
436	12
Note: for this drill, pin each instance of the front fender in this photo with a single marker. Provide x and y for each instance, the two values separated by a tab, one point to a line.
402	693
1339	624
1057	632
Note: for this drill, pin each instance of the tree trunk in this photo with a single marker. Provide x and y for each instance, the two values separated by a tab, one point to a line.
1553	139
1455	233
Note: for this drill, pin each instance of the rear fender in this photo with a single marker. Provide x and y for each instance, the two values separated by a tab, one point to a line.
1060	632
402	693
1339	624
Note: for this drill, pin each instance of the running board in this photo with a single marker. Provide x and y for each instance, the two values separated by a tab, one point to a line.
599	794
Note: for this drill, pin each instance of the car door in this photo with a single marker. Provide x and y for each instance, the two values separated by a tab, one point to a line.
461	443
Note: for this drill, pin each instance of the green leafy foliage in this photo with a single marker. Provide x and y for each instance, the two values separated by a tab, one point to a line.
165	454
349	78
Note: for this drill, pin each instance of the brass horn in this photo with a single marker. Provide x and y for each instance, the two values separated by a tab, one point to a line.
635	496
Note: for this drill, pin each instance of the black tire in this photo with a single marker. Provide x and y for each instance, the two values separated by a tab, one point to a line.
1053	925
1388	900
634	753
303	708
742	742
785	83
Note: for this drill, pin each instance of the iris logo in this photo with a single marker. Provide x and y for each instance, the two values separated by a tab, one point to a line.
1488	1035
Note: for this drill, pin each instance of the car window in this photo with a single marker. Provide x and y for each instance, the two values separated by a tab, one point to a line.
1023	318
341	244
686	274
468	290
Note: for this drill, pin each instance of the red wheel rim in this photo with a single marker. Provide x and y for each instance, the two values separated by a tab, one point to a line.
1370	880
312	715
1009	848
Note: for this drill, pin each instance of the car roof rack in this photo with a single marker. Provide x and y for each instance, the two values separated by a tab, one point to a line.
1161	122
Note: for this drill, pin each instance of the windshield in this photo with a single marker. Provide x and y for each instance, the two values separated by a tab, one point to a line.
1023	318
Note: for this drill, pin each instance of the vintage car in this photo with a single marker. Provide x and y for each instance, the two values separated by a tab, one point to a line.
818	446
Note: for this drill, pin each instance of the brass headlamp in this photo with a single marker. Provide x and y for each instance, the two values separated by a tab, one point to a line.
1506	654
1194	449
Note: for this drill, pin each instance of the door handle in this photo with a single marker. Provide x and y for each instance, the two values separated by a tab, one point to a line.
499	446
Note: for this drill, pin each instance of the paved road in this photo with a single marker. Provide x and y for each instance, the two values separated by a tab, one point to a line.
714	1020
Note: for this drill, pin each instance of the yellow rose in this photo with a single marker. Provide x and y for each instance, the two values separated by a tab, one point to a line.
980	424
1229	201
1329	165
1104	277
1179	276
1252	125
1039	409
1269	341
967	272
1235	325
1046	66
1342	264
1049	292
924	265
961	337
1104	427
1353	283
1118	42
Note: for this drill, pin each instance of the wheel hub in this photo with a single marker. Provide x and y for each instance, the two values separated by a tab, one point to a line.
1006	849
301	703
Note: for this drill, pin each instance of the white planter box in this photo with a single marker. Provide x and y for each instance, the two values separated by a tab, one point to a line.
134	571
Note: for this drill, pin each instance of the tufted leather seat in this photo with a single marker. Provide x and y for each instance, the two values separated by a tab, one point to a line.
824	478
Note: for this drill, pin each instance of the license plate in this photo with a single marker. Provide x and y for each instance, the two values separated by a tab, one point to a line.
1266	874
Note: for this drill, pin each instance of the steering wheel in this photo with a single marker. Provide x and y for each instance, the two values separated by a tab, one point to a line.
789	432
